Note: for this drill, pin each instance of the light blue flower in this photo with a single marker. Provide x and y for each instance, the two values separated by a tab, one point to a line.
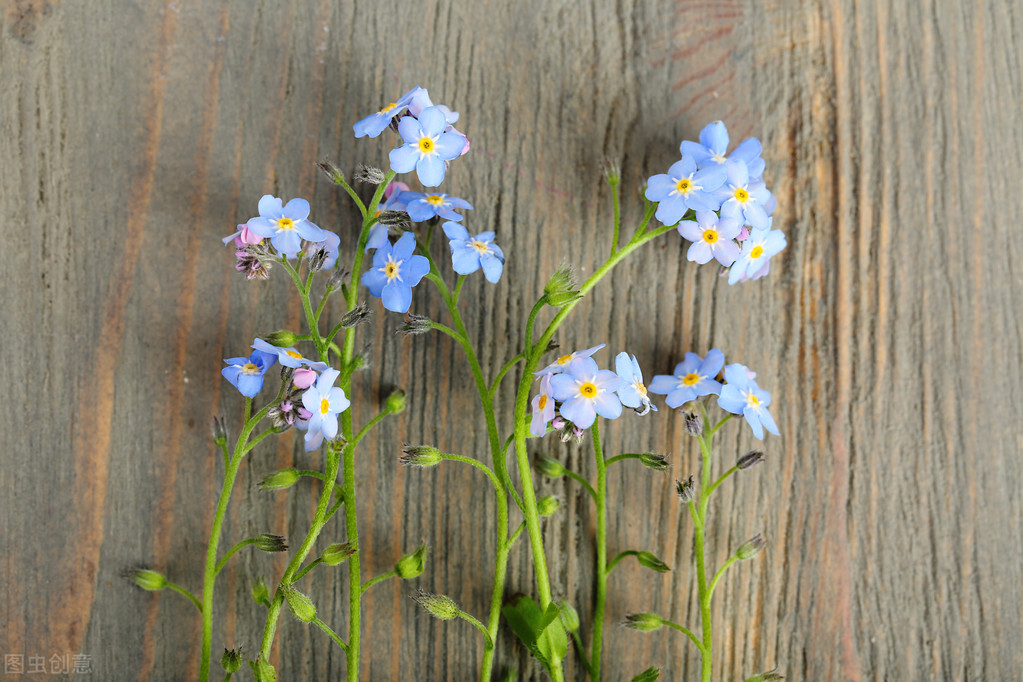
324	401
757	251
246	374
694	377
711	237
683	188
427	147
422	206
285	226
561	364
376	123
289	357
713	144
469	254
632	392
741	395
586	391
395	271
743	198
543	407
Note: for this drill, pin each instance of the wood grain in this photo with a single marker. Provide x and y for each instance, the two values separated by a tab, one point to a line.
135	134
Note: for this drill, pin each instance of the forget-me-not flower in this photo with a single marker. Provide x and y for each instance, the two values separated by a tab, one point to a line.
711	237
694	377
426	146
246	374
713	144
683	188
325	401
543	407
420	206
285	225
395	271
743	198
757	251
632	392
469	254
374	124
741	395
586	391
561	364
289	357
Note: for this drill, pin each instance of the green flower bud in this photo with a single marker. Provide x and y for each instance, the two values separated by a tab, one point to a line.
770	676
686	489
644	622
219	431
279	480
331	171
561	281
231	661
411	565
546	506
355	316
420	456
569	616
315	262
438	605
648	560
414	325
337	553
563	299
282	338
261	593
336	279
751	548
148	580
652	461
395	403
358	362
300	605
612	171
263	671
270	543
550	467
649	675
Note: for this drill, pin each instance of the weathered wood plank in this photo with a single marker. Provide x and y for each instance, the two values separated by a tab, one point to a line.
134	134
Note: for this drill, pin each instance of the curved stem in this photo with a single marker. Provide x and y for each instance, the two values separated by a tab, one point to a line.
231	552
478	464
701	567
369	425
488	643
619	458
601	569
185	593
310	566
330	633
621	555
537	307
583	482
685	631
379	579
717	576
721	480
504	370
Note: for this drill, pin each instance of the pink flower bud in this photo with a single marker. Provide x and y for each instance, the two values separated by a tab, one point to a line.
304	377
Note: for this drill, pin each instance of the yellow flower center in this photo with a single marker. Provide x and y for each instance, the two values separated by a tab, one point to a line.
324	406
481	247
640	387
564	359
684	186
752	400
293	353
392	271
741	195
542	403
250	368
691	379
710	236
435	199
426	145
388	108
285	224
757	252
588	390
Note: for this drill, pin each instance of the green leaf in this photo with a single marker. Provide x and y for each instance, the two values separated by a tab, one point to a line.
541	632
553	641
648	675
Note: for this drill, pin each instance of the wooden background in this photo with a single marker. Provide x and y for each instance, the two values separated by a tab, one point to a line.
135	133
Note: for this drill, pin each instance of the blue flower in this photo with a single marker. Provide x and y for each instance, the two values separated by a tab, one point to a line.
683	188
757	251
711	237
324	401
285	226
374	124
543	407
427	147
694	377
742	198
586	391
713	144
741	395
632	392
561	364
422	207
246	374
469	254
289	357
395	271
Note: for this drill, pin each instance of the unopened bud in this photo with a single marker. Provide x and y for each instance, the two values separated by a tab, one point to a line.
358	362
750	459
649	675
411	565
415	324
612	172
550	467
279	480
270	543
262	671
562	299
770	676
569	616
369	175
282	338
552	346
694	424
395	219
261	593
331	171
315	262
337	553
355	316
147	579
420	456
395	403
438	605
652	461
685	489
336	279
648	560
750	548
231	661
644	622
561	281
219	431
301	606
546	506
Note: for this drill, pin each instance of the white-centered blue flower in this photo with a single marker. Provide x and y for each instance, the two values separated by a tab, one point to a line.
561	364
742	395
693	377
324	401
757	251
469	254
285	225
711	237
633	392
426	147
585	391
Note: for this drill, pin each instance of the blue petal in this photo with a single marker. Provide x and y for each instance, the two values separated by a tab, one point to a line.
623	366
261	227
464	260
415	269
748	150
311	232
738	173
449	146
432	121
459	203
658	187
377	237
249	385
404	158
768	421
271	206
563	386
715	137
430	170
455	231
410	130
711	177
297	209
372	125
713	363
492	268
374	280
396	296
404	247
731	400
680	396
700	154
662	384
580	412
671	210
421	210
607	405
753	419
287	242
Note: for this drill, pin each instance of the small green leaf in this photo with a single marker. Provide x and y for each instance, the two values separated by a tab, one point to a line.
648	675
523	616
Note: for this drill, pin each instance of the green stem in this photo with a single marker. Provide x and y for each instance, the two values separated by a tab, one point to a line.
537	307
488	642
582	481
379	579
707	647
601	570
478	464
230	553
369	425
311	565
257	440
185	593
685	631
721	480
717	576
504	370
330	633
619	458
617	220
621	555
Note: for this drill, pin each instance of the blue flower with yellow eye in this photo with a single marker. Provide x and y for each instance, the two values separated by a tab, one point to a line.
685	187
427	148
757	251
585	391
422	206
469	254
741	395
376	123
246	374
561	364
285	225
743	198
713	144
632	392
395	271
289	357
324	401
694	377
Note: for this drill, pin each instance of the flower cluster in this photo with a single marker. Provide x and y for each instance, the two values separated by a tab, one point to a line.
280	230
727	197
